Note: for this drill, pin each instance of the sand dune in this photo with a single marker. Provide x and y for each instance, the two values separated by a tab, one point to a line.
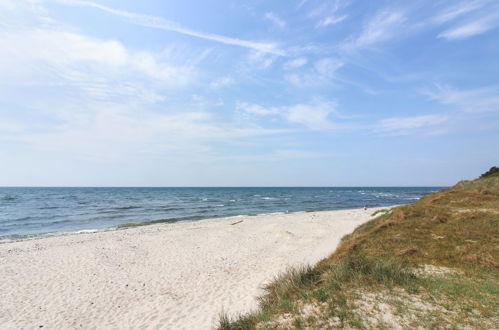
171	276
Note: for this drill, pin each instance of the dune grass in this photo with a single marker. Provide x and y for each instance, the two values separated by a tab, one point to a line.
430	264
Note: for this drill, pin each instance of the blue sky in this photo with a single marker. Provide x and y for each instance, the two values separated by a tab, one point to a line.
247	93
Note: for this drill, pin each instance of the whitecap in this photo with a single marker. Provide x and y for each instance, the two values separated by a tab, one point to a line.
272	213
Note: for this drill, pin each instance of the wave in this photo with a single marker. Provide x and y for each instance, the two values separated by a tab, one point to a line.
166	208
153	222
9	198
130	207
146	223
274	213
23	237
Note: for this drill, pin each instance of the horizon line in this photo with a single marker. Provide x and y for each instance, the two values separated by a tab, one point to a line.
405	186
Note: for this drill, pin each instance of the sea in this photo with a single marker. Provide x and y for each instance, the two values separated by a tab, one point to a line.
27	212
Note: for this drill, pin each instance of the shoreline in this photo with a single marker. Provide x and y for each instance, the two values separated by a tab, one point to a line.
132	225
181	275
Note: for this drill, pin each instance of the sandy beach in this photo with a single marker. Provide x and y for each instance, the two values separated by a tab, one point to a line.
166	276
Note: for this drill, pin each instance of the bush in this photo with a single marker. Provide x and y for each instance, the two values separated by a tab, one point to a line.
494	170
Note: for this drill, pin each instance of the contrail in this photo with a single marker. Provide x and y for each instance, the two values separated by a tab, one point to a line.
161	23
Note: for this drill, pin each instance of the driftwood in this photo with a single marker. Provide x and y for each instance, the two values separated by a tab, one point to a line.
235	223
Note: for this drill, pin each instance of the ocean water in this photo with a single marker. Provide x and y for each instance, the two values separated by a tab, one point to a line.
26	212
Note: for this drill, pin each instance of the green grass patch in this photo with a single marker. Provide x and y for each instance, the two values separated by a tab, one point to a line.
379	212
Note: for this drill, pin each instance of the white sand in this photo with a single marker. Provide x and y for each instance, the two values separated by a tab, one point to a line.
171	276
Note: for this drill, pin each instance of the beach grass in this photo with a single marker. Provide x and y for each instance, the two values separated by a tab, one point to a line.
430	264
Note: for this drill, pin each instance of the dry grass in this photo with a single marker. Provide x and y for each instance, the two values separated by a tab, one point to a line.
435	230
454	231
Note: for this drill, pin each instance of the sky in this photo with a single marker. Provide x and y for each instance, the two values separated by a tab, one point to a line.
248	93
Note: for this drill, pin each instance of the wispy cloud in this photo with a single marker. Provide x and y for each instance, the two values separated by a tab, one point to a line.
222	82
328	13
19	13
99	69
468	18
259	60
275	19
295	63
382	27
326	67
278	155
322	72
471	28
314	115
9	126
301	3
116	131
455	11
468	106
331	20
408	125
474	100
161	23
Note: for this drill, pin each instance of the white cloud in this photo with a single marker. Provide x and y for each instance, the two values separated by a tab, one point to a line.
256	109
101	69
326	67
328	13
458	10
471	18
18	13
222	82
295	63
380	28
331	20
474	100
471	28
469	104
276	20
301	3
314	115
407	125
260	60
322	73
8	126
161	23
107	132
278	155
